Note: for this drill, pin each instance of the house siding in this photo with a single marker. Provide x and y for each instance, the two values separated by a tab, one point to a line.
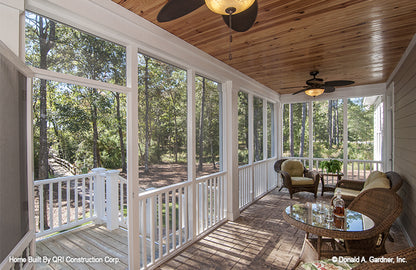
405	138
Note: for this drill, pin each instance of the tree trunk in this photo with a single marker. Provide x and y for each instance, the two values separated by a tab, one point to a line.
120	135
291	135
330	124
146	117
201	126
95	149
302	135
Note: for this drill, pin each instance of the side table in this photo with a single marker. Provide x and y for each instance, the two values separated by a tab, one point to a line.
329	187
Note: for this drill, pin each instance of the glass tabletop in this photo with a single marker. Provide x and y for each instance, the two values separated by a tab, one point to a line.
315	214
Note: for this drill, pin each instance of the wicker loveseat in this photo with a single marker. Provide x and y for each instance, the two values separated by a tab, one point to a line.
296	177
350	189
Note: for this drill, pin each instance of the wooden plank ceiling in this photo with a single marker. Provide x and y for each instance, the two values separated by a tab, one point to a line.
359	40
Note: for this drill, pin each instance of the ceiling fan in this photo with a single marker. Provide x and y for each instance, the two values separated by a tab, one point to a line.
239	15
316	86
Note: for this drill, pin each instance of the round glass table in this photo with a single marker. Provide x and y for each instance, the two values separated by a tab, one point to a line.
315	215
313	219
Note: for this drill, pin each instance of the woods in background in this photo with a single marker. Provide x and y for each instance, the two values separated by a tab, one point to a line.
328	129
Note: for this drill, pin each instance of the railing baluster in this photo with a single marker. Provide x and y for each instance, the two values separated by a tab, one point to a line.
174	230
60	203
41	210
209	183
144	231
180	216
51	205
160	224
76	198
167	222
83	197
152	229
68	201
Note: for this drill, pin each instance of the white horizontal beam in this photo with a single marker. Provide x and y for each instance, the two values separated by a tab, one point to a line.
72	79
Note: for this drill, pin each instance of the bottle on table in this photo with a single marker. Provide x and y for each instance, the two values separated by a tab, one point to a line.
339	205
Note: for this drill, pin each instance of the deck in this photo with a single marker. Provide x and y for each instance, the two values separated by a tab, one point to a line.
99	247
259	239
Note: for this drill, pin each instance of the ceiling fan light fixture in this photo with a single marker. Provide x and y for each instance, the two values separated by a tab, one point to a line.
314	92
221	6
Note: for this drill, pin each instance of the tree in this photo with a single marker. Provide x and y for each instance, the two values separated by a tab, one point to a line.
201	127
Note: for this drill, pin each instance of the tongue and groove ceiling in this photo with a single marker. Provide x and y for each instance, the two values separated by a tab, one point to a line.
359	40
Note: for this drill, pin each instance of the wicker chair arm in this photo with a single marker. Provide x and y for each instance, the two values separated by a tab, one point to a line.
351	184
287	180
314	175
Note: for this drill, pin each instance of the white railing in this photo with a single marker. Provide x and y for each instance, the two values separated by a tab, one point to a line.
63	203
166	222
211	201
66	202
353	169
18	258
255	180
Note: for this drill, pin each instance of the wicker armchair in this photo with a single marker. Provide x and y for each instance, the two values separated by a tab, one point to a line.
306	181
357	185
383	206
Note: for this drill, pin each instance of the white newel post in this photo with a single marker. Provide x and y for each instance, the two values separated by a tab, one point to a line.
99	194
112	199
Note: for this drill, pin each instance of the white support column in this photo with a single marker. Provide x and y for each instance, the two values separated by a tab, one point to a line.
310	116
112	199
250	129
231	149
275	136
345	135
265	122
99	194
279	129
132	159
191	143
279	136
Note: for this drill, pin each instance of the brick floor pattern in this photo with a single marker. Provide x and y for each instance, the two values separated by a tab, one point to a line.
259	239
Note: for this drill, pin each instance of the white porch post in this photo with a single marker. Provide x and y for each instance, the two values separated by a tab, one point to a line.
112	199
265	135
231	146
99	194
310	116
251	143
191	143
132	159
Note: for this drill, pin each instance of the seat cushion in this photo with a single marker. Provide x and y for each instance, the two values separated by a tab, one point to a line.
372	176
347	192
301	181
379	182
293	167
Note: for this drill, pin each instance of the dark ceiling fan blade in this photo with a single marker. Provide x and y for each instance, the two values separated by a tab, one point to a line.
177	8
329	89
338	83
243	21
